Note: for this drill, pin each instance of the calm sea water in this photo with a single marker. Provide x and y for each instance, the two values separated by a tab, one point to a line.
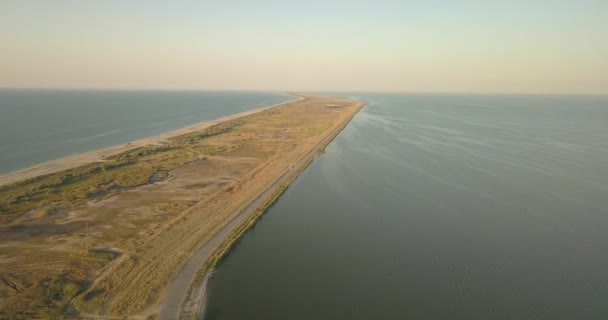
42	125
437	207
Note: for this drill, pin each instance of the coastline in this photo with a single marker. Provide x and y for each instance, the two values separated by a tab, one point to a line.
218	178
188	302
76	160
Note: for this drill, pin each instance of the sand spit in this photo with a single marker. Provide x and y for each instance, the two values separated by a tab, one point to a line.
170	209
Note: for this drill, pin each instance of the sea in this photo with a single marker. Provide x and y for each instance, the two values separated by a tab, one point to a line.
436	207
37	126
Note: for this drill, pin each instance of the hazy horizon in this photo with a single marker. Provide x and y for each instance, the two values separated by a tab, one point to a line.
490	47
296	92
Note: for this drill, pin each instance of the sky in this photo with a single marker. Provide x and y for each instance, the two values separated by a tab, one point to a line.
527	47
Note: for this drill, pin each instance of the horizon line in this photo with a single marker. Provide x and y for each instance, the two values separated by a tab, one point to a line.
280	91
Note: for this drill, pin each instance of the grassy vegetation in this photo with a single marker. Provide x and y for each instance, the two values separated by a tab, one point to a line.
125	170
104	256
47	294
50	293
218	129
237	233
154	228
230	242
234	237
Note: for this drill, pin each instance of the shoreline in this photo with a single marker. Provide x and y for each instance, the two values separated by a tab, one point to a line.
192	298
220	177
98	155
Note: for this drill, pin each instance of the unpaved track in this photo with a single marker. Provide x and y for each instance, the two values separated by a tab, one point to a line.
121	256
177	290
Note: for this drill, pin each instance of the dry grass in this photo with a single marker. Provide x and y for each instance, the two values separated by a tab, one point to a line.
211	175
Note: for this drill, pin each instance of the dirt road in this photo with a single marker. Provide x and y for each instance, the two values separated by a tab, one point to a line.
176	292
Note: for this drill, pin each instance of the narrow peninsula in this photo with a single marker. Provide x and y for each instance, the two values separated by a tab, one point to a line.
133	231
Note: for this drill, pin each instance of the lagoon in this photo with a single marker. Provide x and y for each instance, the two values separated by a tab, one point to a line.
437	207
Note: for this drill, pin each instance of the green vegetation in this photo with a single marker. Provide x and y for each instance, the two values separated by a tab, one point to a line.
52	293
232	240
104	256
129	169
238	232
209	132
114	257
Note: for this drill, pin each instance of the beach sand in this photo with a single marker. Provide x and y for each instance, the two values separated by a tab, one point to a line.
99	155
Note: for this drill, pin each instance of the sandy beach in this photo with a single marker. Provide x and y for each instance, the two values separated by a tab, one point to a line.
99	155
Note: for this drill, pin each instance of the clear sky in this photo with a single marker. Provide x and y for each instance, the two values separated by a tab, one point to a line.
532	46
